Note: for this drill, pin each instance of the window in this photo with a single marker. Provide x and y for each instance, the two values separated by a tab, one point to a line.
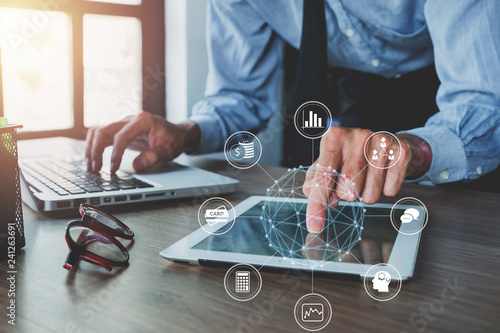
70	64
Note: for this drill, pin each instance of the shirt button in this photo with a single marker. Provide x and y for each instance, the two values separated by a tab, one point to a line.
375	62
479	170
444	175
350	32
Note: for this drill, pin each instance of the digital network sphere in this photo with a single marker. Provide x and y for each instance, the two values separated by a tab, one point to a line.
284	216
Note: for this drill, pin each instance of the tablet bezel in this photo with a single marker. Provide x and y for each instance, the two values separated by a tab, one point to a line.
403	255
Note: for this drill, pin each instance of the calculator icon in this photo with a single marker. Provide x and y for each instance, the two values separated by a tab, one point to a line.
243	282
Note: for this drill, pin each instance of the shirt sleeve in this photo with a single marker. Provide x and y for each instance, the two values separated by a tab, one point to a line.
244	68
465	134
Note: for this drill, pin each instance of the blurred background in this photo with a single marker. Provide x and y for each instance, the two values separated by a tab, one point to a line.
67	65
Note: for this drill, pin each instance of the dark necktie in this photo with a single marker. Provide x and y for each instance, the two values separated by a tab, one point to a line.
311	80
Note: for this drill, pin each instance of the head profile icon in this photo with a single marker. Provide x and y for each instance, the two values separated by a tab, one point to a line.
381	281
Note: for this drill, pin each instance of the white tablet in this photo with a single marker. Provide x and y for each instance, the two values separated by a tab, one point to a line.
248	241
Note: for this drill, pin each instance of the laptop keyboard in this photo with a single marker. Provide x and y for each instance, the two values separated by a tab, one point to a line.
67	178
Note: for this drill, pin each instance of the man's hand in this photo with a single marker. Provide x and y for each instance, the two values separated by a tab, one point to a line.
164	141
342	150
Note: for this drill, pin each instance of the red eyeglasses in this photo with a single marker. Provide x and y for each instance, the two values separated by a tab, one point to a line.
93	239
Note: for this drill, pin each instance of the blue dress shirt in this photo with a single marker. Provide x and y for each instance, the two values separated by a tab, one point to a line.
389	38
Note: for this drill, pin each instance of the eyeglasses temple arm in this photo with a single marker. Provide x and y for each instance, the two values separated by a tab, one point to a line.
72	257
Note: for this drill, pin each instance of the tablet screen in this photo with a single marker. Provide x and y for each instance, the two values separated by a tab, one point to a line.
248	236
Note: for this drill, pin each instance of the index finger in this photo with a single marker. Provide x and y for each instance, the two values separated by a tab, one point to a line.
140	125
323	181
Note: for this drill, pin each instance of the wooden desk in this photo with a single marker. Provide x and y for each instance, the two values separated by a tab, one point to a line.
460	246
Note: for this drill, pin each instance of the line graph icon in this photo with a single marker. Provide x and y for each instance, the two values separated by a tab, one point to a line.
312	312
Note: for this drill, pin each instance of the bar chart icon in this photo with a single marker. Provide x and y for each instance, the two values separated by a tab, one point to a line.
314	120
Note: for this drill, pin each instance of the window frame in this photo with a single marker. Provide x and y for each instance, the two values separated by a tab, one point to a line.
151	15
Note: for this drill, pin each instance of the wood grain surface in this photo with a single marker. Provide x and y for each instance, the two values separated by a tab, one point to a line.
459	261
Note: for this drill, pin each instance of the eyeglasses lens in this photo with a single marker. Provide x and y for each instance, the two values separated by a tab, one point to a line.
108	221
97	243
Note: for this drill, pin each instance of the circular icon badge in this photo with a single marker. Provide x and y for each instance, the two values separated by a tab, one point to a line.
242	282
409	216
382	150
312	119
243	150
313	312
382	282
216	216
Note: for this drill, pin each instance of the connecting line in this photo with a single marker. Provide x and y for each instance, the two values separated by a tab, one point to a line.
312	280
366	166
247	217
274	180
377	215
358	260
312	150
264	264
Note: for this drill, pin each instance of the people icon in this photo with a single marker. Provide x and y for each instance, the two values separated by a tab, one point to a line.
375	155
391	154
383	144
381	281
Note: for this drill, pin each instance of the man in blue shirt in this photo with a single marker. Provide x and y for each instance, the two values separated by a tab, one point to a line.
387	38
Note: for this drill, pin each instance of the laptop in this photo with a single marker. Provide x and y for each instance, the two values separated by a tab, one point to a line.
55	177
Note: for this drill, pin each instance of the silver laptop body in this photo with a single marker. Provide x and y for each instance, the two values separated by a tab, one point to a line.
55	178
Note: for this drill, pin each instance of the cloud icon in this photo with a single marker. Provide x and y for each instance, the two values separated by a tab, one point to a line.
409	215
